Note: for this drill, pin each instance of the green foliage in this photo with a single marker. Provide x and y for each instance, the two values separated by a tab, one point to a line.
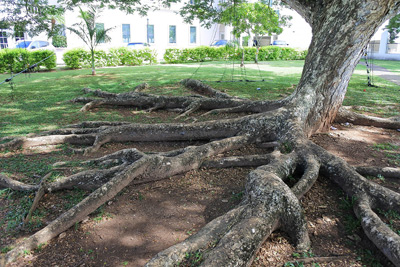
393	28
91	34
24	16
76	58
204	53
5	249
59	41
286	147
39	55
123	56
16	60
257	18
386	146
193	258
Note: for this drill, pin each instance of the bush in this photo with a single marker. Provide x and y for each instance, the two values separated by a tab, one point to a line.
76	58
37	56
59	41
203	53
16	60
79	58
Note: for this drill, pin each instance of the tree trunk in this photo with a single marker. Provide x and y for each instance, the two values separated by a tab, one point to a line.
341	30
93	65
258	49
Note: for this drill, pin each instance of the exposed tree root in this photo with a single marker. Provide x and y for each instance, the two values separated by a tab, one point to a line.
345	115
154	102
319	259
152	167
377	231
386	172
214	101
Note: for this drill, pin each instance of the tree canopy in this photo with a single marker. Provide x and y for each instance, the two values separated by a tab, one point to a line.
393	28
251	18
30	16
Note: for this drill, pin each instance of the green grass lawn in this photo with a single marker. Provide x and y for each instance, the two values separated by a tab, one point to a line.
391	65
40	101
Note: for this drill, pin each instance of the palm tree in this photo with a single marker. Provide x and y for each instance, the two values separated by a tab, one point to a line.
90	32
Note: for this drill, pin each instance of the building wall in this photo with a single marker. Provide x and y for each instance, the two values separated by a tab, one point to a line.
161	19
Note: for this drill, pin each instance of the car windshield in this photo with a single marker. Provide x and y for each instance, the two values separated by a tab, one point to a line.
23	44
220	42
279	43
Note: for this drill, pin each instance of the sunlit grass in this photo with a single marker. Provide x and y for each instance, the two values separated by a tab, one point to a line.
391	65
41	101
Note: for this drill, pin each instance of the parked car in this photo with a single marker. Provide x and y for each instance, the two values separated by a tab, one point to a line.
35	44
280	43
138	45
219	43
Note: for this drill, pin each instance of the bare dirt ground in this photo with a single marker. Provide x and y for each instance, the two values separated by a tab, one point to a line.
145	219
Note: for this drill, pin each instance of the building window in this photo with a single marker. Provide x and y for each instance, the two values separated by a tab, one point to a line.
126	33
172	34
193	34
150	33
19	34
3	39
100	27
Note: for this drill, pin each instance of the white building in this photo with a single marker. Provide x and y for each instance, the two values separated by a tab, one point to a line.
161	29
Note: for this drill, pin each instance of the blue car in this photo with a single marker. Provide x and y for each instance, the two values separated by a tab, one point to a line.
138	45
280	43
35	45
220	43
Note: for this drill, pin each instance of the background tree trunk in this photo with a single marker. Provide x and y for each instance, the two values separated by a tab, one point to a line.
93	65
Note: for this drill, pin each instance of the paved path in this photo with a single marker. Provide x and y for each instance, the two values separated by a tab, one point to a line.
385	73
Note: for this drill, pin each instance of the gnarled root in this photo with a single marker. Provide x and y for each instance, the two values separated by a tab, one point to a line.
149	102
150	167
345	115
233	238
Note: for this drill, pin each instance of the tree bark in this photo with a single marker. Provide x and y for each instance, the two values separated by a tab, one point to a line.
341	30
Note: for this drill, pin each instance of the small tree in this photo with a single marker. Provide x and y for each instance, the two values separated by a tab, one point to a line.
89	31
251	18
393	28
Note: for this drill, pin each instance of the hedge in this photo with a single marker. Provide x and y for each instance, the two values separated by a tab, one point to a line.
204	53
80	58
16	60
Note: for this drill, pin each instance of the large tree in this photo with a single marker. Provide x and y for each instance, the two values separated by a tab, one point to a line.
341	30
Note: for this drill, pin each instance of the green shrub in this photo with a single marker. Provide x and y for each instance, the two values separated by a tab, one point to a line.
172	55
59	41
115	55
100	58
148	55
16	60
79	58
203	53
37	56
76	58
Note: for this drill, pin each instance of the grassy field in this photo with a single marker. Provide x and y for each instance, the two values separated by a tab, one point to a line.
40	101
393	66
